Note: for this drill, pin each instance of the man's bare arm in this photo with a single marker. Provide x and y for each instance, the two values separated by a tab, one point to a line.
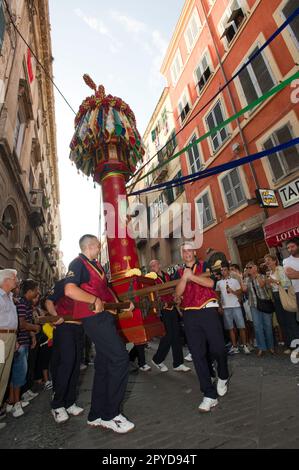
51	308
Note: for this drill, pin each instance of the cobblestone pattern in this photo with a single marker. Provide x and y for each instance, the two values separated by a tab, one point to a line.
260	411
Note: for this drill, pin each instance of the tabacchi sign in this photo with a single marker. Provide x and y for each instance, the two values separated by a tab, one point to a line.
289	194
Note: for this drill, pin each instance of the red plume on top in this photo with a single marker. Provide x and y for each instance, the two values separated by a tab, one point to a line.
89	82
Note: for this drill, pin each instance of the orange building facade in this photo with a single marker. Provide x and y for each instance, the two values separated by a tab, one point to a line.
211	41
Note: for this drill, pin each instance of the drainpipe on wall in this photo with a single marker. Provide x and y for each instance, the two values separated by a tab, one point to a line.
243	138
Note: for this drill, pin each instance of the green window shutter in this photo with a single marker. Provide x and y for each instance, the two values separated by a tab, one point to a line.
2	24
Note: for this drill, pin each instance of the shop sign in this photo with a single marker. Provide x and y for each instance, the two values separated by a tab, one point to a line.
267	197
282	237
289	194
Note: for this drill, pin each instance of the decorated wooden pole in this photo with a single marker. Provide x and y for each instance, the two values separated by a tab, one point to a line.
107	146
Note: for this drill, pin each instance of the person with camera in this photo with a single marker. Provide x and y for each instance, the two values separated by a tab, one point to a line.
262	308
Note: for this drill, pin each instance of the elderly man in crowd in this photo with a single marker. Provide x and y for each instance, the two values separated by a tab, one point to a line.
8	327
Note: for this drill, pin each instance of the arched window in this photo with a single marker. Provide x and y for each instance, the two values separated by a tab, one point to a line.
10	223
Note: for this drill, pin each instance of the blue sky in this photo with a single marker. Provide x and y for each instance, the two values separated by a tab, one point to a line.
120	44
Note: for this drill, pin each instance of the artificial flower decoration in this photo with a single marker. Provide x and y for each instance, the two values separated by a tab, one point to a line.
101	119
152	275
133	272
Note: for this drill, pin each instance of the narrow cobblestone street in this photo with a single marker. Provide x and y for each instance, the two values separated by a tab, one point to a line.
260	411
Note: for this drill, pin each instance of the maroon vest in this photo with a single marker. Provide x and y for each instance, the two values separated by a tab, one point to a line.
64	306
97	286
196	296
168	298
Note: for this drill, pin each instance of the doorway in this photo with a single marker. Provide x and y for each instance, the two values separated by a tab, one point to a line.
252	247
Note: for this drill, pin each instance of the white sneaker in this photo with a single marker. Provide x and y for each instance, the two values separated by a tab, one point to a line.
60	415
95	422
17	410
119	424
74	410
48	385
182	368
188	358
222	387
29	395
145	368
122	418
207	404
9	407
245	349
162	367
233	350
83	366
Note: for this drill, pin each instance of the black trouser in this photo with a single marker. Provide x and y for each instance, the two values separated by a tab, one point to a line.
86	350
111	366
138	351
43	361
287	321
32	358
65	366
172	339
205	337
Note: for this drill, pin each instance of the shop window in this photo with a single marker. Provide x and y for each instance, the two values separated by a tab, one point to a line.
184	106
214	119
176	68
285	162
203	72
233	190
231	21
157	207
171	194
175	252
164	119
156	251
205	209
287	10
256	79
31	180
195	161
19	132
192	30
168	196
177	190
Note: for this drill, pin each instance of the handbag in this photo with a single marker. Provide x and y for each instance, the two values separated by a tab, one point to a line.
288	299
263	305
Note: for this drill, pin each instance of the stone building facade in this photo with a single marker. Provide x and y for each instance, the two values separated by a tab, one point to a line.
29	186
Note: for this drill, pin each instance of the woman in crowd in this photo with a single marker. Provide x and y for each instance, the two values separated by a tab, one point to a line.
286	320
255	286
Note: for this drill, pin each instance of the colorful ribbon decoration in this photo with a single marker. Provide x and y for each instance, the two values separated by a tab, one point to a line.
213	131
219	168
272	37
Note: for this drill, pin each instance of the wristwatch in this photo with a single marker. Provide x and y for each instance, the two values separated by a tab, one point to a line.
92	307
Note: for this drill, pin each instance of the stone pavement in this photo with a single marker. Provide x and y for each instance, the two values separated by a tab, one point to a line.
260	411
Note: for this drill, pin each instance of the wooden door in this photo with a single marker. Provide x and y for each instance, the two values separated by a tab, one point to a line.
254	251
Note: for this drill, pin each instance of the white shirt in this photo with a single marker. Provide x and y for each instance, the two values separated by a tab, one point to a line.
228	300
292	262
8	312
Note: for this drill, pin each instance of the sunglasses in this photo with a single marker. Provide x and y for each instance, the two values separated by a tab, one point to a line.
249	267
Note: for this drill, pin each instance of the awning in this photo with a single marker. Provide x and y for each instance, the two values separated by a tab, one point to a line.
282	226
